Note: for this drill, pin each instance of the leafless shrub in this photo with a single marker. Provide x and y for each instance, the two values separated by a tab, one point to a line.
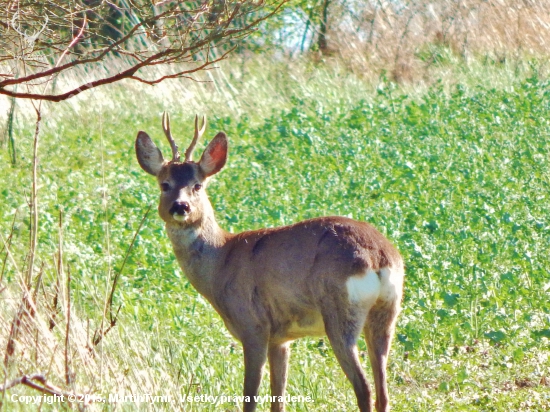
41	41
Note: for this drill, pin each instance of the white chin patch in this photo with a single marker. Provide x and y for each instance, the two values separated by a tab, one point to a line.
180	218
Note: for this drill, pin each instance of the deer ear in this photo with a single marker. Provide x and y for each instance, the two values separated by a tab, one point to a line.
148	154
214	156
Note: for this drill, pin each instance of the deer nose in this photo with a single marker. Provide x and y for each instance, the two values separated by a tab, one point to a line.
180	208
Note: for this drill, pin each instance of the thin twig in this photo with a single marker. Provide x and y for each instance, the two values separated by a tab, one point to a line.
44	387
100	334
68	374
7	245
12	259
38	284
9	131
164	56
184	73
55	304
34	200
117	275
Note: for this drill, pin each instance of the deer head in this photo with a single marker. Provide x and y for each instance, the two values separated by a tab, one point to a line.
183	200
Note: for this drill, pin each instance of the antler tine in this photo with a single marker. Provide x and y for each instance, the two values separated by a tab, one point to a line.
196	137
173	145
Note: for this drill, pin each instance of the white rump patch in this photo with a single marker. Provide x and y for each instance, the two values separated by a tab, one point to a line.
364	289
391	283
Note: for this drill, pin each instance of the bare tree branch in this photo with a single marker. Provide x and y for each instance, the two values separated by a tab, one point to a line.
39	382
36	36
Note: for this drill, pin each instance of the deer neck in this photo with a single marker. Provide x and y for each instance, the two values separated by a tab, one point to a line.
199	249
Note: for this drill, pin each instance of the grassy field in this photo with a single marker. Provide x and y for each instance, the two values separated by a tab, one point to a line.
455	174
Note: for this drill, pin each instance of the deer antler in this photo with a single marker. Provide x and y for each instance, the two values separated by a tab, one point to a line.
198	134
173	145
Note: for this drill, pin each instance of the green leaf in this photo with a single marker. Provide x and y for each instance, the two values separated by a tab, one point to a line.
451	299
541	333
496	336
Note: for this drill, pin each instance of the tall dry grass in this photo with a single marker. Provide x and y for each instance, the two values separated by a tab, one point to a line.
407	37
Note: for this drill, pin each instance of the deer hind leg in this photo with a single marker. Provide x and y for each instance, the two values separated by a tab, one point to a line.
379	329
378	334
278	369
343	326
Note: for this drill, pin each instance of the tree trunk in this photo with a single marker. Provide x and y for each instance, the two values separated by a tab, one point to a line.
322	42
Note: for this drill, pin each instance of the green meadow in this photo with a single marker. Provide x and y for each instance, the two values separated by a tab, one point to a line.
455	173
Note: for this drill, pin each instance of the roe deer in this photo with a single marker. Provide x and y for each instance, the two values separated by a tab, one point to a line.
329	276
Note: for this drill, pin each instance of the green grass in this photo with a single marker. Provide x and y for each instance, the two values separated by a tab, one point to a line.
457	176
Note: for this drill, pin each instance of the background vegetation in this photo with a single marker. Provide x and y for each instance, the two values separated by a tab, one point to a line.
451	163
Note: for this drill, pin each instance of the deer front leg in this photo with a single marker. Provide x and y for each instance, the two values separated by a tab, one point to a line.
255	355
278	367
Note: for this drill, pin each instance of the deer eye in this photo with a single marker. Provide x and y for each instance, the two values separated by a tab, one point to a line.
197	187
164	187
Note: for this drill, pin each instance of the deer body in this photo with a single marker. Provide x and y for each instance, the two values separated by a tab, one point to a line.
329	276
